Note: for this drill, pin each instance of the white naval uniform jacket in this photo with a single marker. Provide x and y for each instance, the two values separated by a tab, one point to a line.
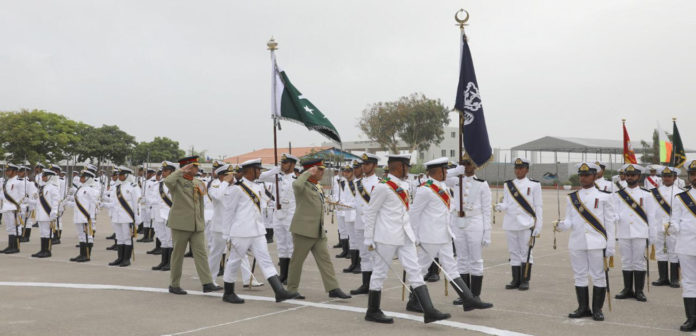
629	225
162	207
584	236
50	193
604	184
216	191
656	182
243	216
337	195
15	188
285	192
110	198
131	194
386	217
684	225
516	218
349	198
87	196
430	216
369	183
477	201
669	195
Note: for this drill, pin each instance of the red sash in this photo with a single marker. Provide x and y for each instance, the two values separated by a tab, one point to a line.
398	191
651	181
439	192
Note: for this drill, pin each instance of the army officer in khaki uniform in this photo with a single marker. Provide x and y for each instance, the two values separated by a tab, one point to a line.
187	224
307	228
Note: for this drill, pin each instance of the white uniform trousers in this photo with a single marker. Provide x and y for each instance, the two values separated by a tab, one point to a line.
44	228
354	242
586	262
367	257
164	234
123	233
283	237
384	253
9	220
633	254
258	247
660	253
81	235
518	245
469	256
342	230
146	216
687	263
217	249
428	252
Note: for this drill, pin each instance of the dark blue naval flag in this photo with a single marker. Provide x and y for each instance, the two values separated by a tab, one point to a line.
468	103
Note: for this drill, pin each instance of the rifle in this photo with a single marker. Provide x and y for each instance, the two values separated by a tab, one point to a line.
647	263
558	197
532	242
497	189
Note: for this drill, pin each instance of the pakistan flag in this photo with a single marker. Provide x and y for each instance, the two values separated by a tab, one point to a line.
289	104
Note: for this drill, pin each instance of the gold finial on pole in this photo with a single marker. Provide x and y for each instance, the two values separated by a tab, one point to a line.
674	118
623	120
461	22
272	44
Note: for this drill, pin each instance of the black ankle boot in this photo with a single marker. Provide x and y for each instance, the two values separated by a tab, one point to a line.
229	295
690	309
524	280
284	266
674	275
413	304
598	296
430	314
515	283
373	313
627	291
26	236
469	302
433	274
157	249
344	247
365	286
82	252
280	293
11	245
163	260
269	236
167	253
119	249
354	254
189	254
583	296
663	280
127	252
639	278
467	280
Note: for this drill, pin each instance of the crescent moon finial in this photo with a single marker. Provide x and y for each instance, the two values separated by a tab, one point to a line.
461	22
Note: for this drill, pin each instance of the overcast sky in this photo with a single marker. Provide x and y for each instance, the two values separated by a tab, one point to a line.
199	72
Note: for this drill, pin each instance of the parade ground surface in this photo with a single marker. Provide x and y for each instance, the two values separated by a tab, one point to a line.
54	296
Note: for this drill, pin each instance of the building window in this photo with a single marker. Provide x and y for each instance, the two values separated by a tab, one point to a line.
454	134
451	152
444	152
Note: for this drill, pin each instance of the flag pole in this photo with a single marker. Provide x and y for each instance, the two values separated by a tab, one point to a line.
461	23
272	47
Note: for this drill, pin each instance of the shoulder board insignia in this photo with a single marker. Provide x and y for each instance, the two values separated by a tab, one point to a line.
533	180
506	181
648	190
605	191
238	182
478	179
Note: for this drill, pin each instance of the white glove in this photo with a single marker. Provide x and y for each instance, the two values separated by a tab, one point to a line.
369	242
53	215
500	207
486	238
536	230
610	251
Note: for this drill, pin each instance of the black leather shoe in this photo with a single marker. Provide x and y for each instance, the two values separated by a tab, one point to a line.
210	287
176	290
338	293
229	295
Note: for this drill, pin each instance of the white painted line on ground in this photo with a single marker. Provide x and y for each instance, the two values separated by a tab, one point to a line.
303	303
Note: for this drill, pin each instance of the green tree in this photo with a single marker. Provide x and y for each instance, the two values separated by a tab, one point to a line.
423	121
414	119
159	149
651	154
105	143
37	135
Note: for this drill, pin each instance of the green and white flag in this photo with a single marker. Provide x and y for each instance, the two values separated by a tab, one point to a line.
288	104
